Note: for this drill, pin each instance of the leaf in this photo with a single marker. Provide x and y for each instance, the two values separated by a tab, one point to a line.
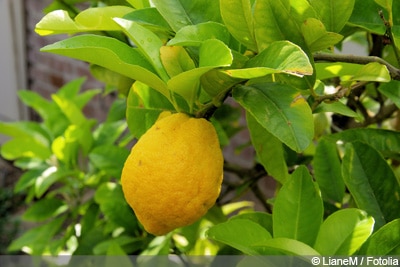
138	4
281	110
344	232
44	209
283	246
392	91
213	54
354	72
337	107
299	199
274	21
180	13
91	19
333	14
108	133
109	158
262	218
112	203
365	15
385	241
195	35
24	147
279	57
175	60
269	150
316	36
148	43
385	141
28	178
327	170
36	239
240	234
371	182
237	16
112	54
50	176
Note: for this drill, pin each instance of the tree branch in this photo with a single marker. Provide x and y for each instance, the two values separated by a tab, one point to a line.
394	72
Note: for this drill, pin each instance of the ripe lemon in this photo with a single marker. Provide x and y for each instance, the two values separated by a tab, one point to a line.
174	172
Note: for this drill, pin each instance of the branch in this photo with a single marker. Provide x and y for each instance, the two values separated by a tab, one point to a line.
389	34
394	72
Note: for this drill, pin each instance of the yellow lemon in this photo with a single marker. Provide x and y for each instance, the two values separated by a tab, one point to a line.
173	174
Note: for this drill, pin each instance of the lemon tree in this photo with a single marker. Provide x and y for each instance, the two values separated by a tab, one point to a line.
322	127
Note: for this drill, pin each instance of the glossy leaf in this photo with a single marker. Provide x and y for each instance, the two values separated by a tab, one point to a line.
148	43
299	199
213	53
344	232
195	35
274	21
180	13
338	108
91	19
175	60
334	14
327	170
24	147
283	246
262	218
138	4
392	91
317	37
384	141
365	15
279	57
385	241
269	150
371	182
49	177
237	16
240	234
112	54
281	110
354	72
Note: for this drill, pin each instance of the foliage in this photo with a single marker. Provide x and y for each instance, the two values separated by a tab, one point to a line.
323	125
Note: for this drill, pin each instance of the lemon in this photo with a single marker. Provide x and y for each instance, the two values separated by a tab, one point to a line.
173	174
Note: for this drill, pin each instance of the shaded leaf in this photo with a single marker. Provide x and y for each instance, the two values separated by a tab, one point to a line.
109	158
317	37
44	209
283	246
392	91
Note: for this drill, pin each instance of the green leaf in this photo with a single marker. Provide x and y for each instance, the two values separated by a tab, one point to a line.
91	19
148	43
109	158
112	203
195	35
364	171
337	107
24	147
327	170
108	133
392	91
44	209
237	16
385	241
50	176
334	14
26	129
240	234
283	246
365	15
269	150
176	60
36	239
385	141
180	13
28	178
344	232
281	110
112	54
213	54
373	72
279	57
316	36
299	199
138	4
262	218
274	21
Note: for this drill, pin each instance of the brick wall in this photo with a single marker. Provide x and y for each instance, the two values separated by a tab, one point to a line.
48	72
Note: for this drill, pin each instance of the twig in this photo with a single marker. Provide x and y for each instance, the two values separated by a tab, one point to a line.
394	72
389	34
